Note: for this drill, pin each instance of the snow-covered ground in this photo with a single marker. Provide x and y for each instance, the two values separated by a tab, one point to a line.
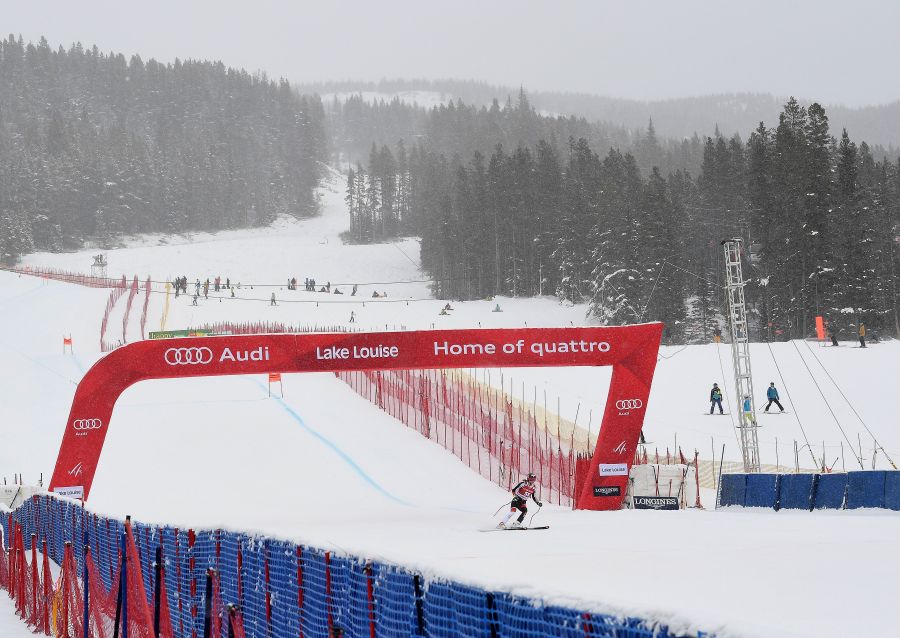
325	467
11	626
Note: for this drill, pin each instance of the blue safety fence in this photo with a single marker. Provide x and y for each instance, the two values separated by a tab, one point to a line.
732	489
865	489
850	490
892	491
284	589
762	490
795	491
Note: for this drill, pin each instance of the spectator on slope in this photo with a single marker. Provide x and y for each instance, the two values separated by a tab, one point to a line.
772	396
352	317
227	282
197	287
715	398
206	289
337	291
497	308
375	294
832	336
272	300
524	490
218	283
862	335
194	302
717	335
353	292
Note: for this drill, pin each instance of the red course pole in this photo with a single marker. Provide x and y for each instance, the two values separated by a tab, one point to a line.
370	595
328	590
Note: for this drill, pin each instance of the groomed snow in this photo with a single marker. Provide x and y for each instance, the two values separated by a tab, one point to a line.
324	467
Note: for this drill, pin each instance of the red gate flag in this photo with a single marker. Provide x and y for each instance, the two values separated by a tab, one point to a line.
631	350
820	329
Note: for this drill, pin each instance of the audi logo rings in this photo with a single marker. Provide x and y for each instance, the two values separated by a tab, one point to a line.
87	424
188	356
629	404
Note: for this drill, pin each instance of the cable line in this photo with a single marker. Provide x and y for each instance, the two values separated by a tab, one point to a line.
652	290
727	400
717	285
828	405
793	405
880	446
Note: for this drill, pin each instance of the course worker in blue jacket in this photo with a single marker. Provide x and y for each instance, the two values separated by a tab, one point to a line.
772	396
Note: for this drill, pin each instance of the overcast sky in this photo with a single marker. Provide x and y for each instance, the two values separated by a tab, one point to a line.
834	51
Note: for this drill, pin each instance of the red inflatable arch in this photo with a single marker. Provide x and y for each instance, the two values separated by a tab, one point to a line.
630	350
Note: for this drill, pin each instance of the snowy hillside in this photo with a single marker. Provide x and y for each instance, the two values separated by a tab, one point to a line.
262	261
324	466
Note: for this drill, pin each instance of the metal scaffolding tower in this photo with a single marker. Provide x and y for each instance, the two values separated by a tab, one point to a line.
740	354
98	268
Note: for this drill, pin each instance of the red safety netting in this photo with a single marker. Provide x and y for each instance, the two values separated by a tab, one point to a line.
148	288
497	439
28	581
114	295
57	608
132	292
68	276
267	327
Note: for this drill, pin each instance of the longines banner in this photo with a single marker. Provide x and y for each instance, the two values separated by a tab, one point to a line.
630	350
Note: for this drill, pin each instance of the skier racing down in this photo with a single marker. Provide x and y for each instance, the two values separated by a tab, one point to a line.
521	493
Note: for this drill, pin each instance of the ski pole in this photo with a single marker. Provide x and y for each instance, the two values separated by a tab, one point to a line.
501	507
540	507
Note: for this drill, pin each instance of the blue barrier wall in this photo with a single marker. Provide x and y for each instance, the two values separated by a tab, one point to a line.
761	490
283	589
865	489
851	490
732	489
892	491
795	491
829	491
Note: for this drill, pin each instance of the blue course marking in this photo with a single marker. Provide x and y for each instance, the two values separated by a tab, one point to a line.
78	365
337	450
28	292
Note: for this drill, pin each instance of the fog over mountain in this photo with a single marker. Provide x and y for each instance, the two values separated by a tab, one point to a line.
676	118
825	50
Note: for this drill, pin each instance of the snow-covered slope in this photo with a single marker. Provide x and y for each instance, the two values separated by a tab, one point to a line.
324	466
262	260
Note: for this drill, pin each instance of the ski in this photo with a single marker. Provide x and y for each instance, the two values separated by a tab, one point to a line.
514	529
717	413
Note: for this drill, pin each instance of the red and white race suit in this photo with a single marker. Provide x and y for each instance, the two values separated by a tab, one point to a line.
524	490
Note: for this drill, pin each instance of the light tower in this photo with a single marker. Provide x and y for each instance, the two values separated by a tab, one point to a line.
740	353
